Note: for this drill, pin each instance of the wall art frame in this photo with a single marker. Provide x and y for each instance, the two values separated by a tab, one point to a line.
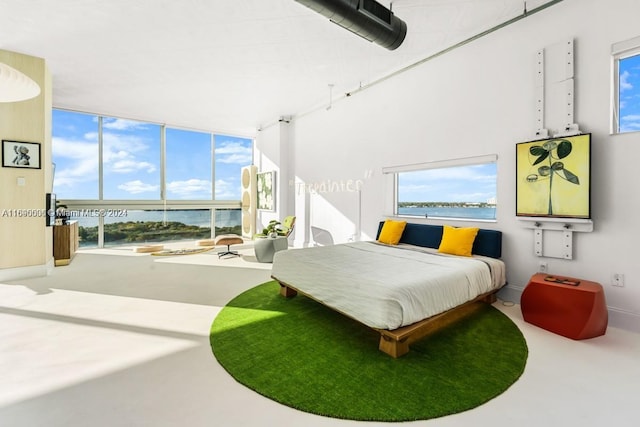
553	177
266	190
21	154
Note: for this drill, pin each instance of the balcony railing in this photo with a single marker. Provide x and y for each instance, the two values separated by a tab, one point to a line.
139	222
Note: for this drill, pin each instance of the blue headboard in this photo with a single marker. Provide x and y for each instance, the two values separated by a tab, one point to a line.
487	243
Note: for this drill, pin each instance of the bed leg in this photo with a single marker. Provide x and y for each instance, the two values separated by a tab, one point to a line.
393	347
490	299
287	292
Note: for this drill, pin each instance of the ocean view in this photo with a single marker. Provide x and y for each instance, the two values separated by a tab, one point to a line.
196	222
449	212
145	226
233	217
199	218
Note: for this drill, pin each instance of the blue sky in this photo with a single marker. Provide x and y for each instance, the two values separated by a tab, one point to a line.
475	183
131	160
629	70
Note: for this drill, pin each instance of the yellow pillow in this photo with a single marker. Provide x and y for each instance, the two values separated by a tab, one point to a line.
391	232
457	241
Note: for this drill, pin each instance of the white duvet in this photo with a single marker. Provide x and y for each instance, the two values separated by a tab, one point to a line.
387	287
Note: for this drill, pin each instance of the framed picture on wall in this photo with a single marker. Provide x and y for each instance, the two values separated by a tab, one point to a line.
265	191
553	177
19	154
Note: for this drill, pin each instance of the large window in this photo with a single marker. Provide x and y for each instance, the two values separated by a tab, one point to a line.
189	162
232	153
154	183
75	154
131	159
458	189
626	90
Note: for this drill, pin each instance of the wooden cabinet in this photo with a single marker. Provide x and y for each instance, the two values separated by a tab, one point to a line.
65	242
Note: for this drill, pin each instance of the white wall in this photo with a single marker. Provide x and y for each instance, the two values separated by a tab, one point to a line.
479	99
274	152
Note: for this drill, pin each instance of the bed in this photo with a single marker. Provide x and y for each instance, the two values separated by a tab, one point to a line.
404	291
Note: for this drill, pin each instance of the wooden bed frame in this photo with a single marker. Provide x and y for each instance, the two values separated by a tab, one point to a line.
395	342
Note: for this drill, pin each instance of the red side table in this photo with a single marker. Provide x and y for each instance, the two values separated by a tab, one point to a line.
570	307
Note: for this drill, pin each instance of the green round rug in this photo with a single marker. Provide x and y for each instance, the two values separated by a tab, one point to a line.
302	354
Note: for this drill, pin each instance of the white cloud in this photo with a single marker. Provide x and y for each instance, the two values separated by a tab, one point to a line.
630	123
74	149
485	178
631	117
91	136
137	187
241	159
121	152
414	188
82	163
472	196
129	166
190	188
233	152
128	143
474	173
226	190
630	127
121	124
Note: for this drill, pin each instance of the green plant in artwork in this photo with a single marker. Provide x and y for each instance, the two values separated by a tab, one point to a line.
552	151
265	190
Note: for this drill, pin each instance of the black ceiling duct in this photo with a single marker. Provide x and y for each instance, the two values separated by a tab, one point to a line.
366	18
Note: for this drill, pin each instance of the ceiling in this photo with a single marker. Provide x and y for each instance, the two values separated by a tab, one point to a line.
222	65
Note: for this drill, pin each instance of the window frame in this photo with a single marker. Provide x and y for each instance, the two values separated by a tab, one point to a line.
100	206
443	164
620	51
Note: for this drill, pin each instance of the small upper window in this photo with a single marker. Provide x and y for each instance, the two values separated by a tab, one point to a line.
626	90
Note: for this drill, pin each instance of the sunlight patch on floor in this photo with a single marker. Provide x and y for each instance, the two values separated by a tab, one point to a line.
61	338
247	258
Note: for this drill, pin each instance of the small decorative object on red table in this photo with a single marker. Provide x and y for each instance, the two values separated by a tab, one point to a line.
570	307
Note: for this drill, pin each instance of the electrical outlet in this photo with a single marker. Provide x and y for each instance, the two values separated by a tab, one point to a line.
617	279
543	267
